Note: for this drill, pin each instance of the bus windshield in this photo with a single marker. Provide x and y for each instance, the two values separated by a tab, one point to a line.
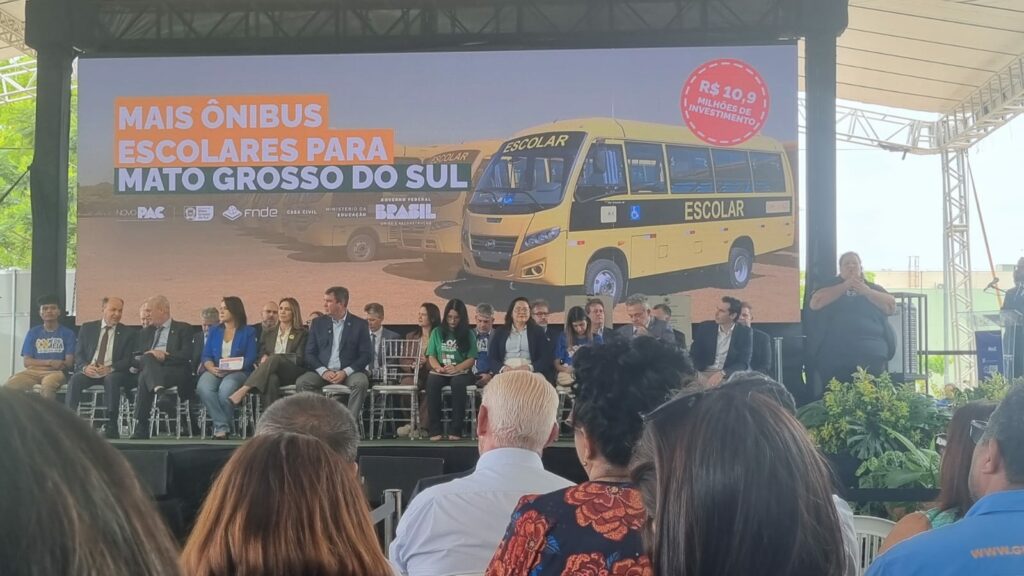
529	174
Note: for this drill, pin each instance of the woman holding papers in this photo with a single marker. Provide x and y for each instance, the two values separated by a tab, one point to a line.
451	352
228	358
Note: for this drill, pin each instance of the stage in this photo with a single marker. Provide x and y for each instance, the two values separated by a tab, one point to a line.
180	472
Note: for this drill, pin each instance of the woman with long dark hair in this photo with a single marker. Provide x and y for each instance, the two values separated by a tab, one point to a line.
451	352
576	334
521	344
71	503
232	338
428	318
955	497
285	504
740	489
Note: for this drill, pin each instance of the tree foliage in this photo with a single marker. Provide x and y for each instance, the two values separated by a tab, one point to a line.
17	137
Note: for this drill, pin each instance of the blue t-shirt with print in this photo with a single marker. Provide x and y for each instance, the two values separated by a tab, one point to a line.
43	344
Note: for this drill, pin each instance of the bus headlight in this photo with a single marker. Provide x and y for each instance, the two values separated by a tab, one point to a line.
540	238
442	224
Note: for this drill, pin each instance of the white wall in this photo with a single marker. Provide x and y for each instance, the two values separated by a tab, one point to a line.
15	310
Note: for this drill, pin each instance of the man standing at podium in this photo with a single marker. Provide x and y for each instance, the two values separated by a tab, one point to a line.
1014	335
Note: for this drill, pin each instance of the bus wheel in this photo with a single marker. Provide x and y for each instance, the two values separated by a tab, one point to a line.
604	278
361	247
738	269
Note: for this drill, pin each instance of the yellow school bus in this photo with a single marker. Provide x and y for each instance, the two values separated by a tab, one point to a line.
599	201
348	220
439	239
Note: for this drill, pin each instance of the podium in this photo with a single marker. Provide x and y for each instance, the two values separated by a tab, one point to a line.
997	334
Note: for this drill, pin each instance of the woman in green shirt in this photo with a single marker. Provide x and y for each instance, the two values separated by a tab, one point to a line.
451	352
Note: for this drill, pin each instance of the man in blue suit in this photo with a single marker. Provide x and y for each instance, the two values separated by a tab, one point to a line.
338	351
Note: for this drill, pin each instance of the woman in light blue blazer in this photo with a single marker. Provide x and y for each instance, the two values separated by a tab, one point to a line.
232	338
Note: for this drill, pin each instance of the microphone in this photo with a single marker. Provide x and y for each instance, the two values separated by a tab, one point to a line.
992	284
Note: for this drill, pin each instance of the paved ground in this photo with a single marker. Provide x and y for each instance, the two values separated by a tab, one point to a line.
195	264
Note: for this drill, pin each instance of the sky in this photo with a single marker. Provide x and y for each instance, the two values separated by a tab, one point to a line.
890	207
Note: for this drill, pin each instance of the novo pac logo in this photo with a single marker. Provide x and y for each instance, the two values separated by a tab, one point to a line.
232	213
150	213
199	213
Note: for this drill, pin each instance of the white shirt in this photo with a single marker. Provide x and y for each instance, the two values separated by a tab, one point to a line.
335	362
108	356
455	528
722	350
281	345
161	339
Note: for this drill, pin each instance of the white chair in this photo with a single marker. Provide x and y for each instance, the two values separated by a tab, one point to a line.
159	417
871	532
399	357
89	405
446	410
565	402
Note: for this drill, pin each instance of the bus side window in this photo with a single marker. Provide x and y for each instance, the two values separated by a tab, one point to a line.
768	173
690	170
646	168
732	171
603	173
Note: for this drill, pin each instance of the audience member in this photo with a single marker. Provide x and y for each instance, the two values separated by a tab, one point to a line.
145	314
955	497
662	312
70	501
595	311
314	415
714	517
451	352
313	316
520	344
986	541
484	326
378	335
850	329
48	352
227	361
598	523
721	347
761	353
282	355
103	356
338	351
285	504
643	324
268	320
165	362
539	311
577	333
454	528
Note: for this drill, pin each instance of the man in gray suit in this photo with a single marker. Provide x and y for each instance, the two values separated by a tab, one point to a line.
643	323
378	334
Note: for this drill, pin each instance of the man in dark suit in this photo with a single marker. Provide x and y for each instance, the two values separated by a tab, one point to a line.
338	350
761	357
378	335
165	361
104	356
721	347
595	311
662	312
643	323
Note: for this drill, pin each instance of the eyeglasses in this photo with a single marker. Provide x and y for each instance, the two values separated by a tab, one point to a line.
978	429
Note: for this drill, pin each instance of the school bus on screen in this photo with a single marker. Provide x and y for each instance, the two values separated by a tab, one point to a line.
596	202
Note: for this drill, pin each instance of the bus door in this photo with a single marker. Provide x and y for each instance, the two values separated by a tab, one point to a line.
648	240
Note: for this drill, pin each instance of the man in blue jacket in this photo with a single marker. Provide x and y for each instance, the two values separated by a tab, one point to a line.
338	351
988	540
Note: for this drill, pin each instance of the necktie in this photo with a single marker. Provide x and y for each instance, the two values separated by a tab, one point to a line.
101	355
156	339
376	352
